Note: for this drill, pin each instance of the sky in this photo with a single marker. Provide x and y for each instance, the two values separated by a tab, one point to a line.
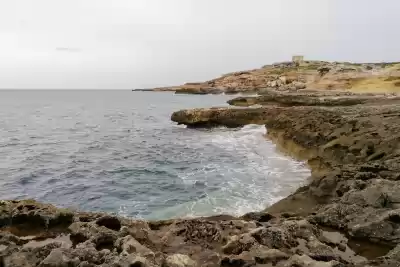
128	44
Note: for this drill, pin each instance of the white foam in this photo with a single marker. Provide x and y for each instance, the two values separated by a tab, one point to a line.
263	178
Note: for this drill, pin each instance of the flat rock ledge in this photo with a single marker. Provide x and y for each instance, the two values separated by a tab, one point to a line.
35	234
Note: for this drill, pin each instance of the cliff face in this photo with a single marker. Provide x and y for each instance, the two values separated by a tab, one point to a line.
311	75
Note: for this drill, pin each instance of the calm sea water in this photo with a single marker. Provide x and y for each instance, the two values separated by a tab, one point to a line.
118	151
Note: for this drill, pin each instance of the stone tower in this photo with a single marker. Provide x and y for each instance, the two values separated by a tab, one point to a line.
298	59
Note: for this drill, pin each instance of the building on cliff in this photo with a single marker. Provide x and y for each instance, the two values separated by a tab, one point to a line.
298	59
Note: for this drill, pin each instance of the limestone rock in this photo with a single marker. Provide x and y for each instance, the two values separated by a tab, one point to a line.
58	258
17	259
264	255
110	222
238	244
131	245
305	261
320	251
179	260
274	237
30	212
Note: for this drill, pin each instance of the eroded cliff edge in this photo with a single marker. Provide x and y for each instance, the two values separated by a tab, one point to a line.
351	143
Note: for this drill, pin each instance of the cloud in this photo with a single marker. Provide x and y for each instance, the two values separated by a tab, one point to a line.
68	49
146	43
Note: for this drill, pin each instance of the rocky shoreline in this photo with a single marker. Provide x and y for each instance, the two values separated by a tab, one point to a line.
348	215
351	144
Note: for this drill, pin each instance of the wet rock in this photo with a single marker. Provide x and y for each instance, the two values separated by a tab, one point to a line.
30	212
231	118
110	222
179	260
258	216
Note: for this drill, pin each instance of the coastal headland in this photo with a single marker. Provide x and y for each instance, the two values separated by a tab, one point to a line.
342	118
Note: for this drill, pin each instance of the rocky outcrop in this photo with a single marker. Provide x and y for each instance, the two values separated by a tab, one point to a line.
318	98
97	240
221	117
351	144
292	77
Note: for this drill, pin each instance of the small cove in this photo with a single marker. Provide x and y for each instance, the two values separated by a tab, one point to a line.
118	152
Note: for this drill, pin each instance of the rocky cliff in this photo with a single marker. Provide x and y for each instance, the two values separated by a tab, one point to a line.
310	75
351	144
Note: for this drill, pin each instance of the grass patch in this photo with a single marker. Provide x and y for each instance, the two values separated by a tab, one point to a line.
375	84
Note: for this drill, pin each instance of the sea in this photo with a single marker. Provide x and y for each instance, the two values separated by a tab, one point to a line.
118	151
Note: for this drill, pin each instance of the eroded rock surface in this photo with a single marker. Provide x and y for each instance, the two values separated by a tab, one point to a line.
103	240
351	143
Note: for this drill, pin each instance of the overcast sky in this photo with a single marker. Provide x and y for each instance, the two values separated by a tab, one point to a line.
148	43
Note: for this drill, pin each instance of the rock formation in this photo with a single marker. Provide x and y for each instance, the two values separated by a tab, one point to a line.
351	144
310	75
50	237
